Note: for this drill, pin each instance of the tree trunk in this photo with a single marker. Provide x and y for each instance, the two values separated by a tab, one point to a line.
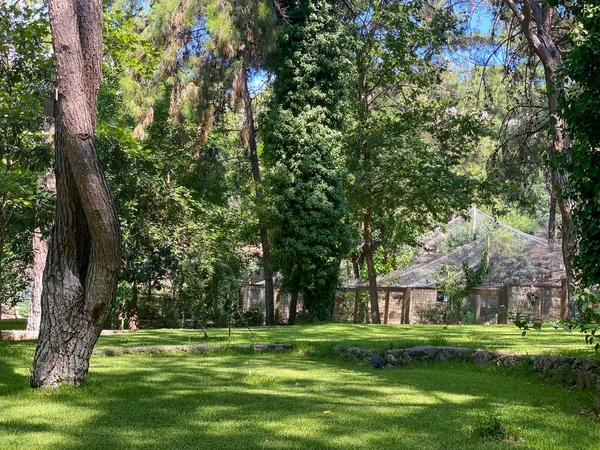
356	271
552	212
2	238
536	21
84	257
40	253
264	235
293	308
39	247
133	319
372	274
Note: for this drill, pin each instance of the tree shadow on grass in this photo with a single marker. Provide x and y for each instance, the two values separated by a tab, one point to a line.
245	402
15	364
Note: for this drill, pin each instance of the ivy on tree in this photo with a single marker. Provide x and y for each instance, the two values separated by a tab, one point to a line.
302	137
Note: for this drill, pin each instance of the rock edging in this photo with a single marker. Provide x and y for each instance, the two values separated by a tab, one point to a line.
579	371
203	348
24	335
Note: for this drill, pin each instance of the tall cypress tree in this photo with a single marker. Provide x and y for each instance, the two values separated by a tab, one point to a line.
302	138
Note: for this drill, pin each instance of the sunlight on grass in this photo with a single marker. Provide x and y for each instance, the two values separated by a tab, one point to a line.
230	400
322	338
233	401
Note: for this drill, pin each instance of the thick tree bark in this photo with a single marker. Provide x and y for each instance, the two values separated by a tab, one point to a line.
85	249
372	274
536	21
264	235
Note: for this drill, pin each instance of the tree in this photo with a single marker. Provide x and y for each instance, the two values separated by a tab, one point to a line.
543	27
81	273
25	72
409	137
302	137
248	39
580	106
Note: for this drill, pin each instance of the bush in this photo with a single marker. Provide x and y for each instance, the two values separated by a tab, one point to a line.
253	317
434	315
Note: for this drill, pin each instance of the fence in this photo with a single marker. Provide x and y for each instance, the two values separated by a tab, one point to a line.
404	304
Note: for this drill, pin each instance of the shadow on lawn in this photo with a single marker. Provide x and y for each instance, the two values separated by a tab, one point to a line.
15	357
242	402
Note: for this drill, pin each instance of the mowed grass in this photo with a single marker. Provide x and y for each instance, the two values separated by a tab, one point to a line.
303	400
14	324
282	401
322	338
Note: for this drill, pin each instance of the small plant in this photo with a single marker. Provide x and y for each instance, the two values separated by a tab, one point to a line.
438	340
488	427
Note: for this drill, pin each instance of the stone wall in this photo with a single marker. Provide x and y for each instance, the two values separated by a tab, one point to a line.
574	371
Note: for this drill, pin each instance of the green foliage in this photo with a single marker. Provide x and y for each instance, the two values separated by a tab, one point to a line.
253	317
178	188
457	286
25	74
208	292
589	322
15	276
580	107
302	144
520	221
408	139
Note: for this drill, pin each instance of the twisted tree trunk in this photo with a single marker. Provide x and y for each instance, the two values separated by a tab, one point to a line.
85	249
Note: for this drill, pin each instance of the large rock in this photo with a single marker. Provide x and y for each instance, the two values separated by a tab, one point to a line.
427	354
355	354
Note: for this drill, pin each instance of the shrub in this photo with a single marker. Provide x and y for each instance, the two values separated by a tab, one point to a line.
253	317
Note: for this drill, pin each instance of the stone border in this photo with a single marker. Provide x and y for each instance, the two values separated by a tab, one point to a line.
203	348
24	335
578	371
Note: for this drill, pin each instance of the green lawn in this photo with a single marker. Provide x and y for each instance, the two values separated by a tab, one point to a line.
291	401
322	338
14	324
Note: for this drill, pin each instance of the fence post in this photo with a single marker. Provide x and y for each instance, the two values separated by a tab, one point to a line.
277	304
356	305
503	304
406	302
387	307
564	296
478	308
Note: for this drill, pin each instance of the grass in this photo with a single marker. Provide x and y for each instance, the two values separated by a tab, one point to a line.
231	401
300	400
323	338
14	324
